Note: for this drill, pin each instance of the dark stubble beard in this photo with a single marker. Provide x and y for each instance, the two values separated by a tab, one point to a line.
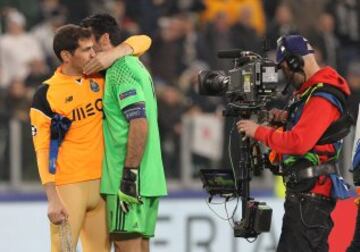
296	82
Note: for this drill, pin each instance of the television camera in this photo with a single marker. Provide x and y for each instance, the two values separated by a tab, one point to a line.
248	87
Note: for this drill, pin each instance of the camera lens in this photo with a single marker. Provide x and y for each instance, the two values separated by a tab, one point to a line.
213	83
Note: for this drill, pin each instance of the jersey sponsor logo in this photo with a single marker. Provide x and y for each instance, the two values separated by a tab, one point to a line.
131	92
33	130
69	99
87	110
94	86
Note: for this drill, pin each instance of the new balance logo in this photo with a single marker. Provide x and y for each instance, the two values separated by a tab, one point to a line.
69	99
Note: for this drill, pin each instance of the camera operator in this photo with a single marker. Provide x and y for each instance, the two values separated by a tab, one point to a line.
307	148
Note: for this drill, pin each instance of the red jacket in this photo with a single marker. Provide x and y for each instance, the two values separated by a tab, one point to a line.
317	115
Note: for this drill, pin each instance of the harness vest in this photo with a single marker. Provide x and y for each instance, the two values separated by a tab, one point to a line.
333	135
336	131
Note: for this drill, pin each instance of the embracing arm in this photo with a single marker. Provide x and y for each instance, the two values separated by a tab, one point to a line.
134	45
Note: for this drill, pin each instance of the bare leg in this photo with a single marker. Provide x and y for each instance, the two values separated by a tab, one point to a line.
145	245
127	242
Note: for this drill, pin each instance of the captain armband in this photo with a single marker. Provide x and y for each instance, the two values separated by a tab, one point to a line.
134	111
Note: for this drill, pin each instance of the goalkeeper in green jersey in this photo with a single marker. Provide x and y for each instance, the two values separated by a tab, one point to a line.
133	177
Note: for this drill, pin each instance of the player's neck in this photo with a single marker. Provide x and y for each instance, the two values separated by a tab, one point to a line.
69	70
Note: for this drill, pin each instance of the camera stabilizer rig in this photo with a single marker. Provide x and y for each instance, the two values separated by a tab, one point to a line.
228	183
248	87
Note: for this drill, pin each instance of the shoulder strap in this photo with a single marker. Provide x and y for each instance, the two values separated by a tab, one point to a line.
334	95
341	127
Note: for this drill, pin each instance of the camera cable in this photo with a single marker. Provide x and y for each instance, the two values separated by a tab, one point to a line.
227	218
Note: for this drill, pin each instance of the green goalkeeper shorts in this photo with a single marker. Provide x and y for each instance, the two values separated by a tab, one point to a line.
139	219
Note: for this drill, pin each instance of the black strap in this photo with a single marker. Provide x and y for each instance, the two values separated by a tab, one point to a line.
341	127
296	175
338	129
340	95
316	171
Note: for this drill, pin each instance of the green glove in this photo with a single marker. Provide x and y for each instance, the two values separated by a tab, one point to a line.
129	189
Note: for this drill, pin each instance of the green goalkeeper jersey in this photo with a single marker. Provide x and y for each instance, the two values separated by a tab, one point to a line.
128	82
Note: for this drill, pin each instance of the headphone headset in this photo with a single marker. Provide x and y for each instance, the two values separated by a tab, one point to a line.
294	61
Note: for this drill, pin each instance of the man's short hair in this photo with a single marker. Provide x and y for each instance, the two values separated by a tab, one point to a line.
101	24
67	38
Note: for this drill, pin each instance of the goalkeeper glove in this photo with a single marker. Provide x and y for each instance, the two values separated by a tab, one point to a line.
129	189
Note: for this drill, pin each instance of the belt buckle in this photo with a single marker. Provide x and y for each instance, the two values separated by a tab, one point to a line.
312	195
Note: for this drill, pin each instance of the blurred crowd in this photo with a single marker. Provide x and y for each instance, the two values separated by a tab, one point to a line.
186	36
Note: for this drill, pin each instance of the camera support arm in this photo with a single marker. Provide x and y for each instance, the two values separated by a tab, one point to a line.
244	176
255	216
